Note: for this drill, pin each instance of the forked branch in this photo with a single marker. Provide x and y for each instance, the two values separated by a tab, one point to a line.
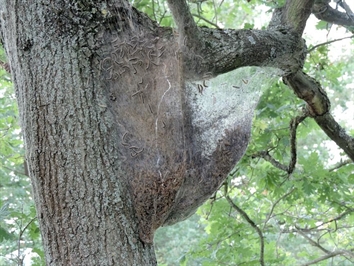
323	11
310	90
294	123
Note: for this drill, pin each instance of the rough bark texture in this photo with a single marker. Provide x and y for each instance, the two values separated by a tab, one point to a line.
112	145
72	138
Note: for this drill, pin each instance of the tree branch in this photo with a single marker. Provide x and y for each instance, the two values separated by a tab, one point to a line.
206	20
333	130
305	87
226	50
293	153
252	223
266	156
312	242
211	52
20	238
1	38
293	127
296	13
318	104
339	217
309	90
275	204
347	9
324	257
329	42
323	11
340	164
189	35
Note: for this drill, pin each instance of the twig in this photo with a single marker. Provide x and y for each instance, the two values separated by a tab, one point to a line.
293	154
324	257
206	20
329	42
222	1
339	217
312	242
275	204
266	156
215	13
20	236
153	9
162	17
340	164
252	223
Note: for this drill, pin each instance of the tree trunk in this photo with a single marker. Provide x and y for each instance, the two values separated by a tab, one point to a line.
112	148
116	142
79	184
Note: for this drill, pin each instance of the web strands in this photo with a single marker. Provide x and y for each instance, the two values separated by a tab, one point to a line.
227	101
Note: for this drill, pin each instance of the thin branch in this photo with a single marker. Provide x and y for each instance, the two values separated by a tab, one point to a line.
162	17
252	223
275	204
313	242
206	20
293	127
153	9
339	217
293	154
222	1
14	171
20	237
329	42
267	157
324	257
340	164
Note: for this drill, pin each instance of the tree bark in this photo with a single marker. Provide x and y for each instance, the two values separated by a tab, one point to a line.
112	143
111	147
79	184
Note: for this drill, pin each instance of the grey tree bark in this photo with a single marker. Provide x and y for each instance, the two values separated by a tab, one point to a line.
112	149
74	155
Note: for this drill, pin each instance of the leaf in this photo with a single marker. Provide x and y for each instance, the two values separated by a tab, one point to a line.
322	25
5	235
248	26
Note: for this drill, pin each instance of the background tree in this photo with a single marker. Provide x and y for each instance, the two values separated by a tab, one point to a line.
90	110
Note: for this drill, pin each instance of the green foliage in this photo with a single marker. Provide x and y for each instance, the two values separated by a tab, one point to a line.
299	214
322	25
172	243
293	211
156	10
19	232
